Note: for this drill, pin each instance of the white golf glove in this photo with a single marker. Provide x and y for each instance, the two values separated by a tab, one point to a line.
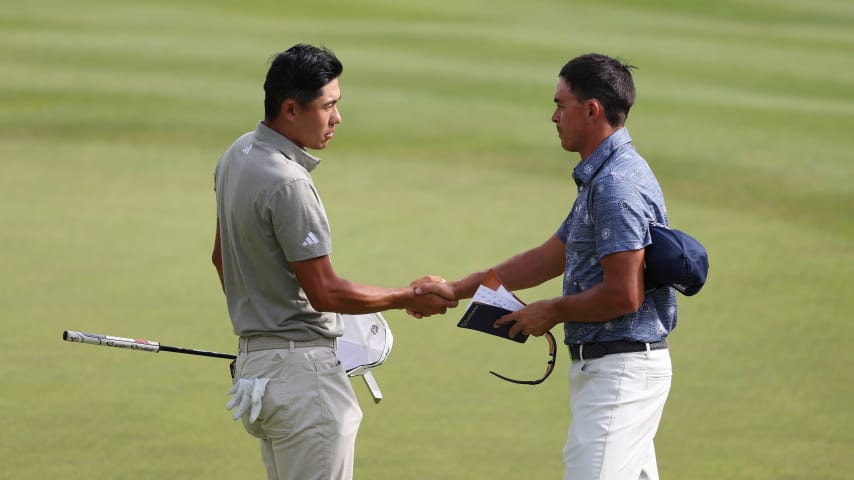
247	392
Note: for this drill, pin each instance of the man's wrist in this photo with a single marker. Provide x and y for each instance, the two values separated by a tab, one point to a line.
559	311
403	298
466	287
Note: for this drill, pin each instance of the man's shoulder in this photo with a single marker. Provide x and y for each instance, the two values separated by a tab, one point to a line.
267	158
627	154
625	165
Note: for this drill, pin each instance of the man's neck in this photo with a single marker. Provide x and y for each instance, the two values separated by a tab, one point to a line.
596	139
281	128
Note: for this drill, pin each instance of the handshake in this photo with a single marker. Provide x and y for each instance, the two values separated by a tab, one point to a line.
430	295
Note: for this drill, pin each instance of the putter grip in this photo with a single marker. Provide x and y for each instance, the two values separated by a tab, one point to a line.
110	341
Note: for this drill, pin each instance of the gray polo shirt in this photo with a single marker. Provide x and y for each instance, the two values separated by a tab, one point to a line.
269	215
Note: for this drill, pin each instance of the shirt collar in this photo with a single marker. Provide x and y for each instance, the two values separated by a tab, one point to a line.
286	146
588	167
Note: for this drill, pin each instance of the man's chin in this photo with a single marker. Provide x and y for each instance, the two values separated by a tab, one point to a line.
318	146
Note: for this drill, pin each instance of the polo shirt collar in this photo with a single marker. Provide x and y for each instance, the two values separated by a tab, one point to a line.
587	168
286	146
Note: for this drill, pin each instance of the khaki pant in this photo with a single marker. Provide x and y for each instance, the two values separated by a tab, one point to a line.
309	415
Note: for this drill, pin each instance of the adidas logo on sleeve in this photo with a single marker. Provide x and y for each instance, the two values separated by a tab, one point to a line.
310	240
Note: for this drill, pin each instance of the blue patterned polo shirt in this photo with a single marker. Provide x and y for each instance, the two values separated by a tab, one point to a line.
618	195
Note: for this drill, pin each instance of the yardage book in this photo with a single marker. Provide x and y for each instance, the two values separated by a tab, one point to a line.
490	302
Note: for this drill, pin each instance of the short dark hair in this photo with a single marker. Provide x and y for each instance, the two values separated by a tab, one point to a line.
298	73
606	79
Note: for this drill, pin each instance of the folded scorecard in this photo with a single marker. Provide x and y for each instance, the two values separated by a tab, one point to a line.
490	302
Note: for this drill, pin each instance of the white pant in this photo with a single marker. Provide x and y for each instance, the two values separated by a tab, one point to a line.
616	403
309	413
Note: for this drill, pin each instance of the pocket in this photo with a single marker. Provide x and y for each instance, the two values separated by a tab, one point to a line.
658	379
237	370
276	406
660	373
323	361
607	366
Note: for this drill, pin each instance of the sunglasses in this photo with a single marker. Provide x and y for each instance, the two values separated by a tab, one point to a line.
549	367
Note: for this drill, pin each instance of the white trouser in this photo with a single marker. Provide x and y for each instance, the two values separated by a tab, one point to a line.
309	413
616	403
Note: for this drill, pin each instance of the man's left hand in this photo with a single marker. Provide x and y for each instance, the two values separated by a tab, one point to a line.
534	319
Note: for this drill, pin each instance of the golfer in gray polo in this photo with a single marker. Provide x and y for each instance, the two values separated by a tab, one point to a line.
271	252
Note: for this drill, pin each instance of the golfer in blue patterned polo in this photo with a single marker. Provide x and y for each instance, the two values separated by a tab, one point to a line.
615	330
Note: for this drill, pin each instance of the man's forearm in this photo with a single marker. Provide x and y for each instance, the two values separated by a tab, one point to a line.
525	270
347	297
590	306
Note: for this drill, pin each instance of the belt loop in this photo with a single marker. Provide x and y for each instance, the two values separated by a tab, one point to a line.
581	351
648	349
291	346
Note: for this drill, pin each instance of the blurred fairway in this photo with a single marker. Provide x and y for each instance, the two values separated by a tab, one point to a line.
113	114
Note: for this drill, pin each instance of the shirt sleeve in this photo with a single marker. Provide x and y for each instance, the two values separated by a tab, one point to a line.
620	216
299	221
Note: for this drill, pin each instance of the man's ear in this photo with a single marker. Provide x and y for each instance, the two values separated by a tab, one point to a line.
288	109
593	109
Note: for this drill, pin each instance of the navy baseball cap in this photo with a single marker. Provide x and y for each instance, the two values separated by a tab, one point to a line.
675	259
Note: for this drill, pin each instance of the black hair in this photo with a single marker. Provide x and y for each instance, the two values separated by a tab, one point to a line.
298	73
606	79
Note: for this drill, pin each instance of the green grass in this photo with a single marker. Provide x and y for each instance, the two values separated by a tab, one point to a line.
114	114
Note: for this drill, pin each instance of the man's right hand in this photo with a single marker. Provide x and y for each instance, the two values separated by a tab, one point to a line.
425	305
432	291
441	289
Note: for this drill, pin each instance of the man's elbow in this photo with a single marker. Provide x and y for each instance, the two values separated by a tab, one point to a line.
323	300
632	302
322	303
634	305
626	302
